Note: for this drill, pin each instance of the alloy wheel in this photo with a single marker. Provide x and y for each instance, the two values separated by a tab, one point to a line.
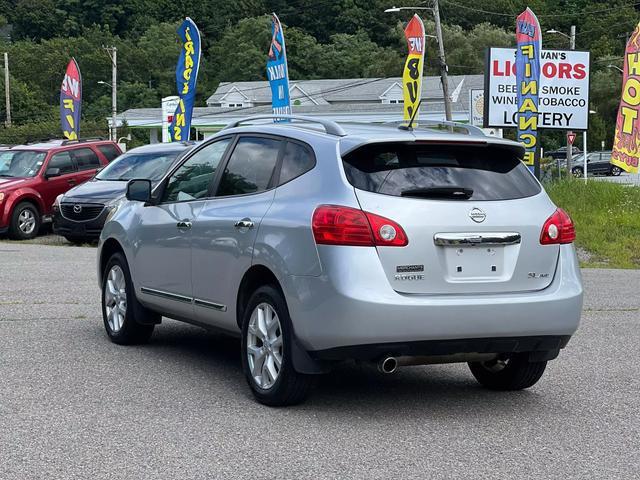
115	298
26	221
264	346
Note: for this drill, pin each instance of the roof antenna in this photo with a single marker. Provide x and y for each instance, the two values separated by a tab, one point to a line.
409	126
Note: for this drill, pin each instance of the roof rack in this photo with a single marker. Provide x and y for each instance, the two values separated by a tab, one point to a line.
82	140
454	127
331	127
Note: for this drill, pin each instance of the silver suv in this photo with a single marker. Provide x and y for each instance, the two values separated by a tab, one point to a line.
318	243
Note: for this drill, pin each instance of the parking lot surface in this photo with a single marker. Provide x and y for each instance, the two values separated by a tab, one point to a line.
74	405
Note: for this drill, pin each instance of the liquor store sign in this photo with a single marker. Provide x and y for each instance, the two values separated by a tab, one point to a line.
563	96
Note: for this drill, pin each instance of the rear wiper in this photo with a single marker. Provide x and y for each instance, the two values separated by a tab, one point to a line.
455	193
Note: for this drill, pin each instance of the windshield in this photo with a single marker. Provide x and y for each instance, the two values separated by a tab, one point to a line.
21	163
151	166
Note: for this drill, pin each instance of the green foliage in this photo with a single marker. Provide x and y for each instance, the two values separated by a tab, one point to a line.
607	219
46	129
325	39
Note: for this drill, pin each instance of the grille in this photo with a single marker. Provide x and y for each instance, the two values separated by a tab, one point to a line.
87	211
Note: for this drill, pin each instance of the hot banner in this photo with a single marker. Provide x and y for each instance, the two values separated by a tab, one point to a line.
626	142
412	74
528	46
186	78
71	101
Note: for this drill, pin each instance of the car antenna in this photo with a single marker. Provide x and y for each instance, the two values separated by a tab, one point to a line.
409	126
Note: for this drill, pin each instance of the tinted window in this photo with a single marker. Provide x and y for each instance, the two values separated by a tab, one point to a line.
191	181
486	173
297	159
250	167
85	158
151	166
63	162
109	151
606	157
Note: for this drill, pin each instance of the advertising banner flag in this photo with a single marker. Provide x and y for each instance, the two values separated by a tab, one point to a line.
278	71
71	101
186	78
412	74
528	46
626	141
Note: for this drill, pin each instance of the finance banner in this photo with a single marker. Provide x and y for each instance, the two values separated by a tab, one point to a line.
71	101
412	74
186	79
563	100
278	72
528	46
626	141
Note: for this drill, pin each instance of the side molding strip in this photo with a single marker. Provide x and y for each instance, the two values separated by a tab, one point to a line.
184	299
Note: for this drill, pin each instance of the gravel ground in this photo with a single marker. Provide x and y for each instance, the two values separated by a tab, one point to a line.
73	405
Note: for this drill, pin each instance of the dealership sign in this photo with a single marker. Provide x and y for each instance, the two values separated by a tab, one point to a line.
563	92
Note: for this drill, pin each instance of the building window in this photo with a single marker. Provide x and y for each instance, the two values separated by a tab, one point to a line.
396	101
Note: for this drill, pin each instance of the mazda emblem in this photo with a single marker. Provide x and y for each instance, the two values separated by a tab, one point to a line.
77	208
477	215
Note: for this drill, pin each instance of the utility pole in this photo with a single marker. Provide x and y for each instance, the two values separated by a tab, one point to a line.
443	63
113	52
572	46
6	89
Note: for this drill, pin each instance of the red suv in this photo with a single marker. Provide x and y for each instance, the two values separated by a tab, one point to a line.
33	175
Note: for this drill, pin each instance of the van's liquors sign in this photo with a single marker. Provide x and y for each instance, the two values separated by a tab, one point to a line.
563	101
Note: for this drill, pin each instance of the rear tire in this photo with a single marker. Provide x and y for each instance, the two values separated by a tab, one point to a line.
615	170
266	351
25	221
126	321
577	172
512	372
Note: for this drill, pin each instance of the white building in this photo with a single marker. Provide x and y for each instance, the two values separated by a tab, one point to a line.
360	100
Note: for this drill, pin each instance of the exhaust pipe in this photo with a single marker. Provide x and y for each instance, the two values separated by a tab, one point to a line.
388	365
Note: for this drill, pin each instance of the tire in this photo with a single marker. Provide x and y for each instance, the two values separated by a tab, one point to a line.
25	221
616	171
514	372
129	324
289	387
577	172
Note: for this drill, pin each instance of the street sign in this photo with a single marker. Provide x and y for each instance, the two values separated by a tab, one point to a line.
571	137
564	89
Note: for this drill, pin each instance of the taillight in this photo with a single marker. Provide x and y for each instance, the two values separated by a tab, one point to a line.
336	225
558	229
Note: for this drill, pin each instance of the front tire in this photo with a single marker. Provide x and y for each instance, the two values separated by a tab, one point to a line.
266	351
577	172
25	221
616	171
509	372
126	321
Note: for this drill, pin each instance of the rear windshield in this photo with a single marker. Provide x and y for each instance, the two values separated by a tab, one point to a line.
464	172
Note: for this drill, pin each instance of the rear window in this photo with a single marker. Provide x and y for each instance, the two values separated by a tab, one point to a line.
109	151
465	172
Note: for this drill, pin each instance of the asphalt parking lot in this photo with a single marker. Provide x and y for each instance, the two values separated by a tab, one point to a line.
73	405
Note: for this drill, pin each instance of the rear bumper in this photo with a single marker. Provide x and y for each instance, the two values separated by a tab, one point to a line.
89	230
342	308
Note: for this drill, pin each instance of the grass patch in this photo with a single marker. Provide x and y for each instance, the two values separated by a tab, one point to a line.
607	219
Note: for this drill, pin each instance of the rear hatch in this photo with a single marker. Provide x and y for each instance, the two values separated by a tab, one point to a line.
473	215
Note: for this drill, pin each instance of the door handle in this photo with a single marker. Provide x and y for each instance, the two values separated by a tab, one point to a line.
71	182
244	223
184	225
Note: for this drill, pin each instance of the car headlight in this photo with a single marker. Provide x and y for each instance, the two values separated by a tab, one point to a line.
1	196
56	202
113	207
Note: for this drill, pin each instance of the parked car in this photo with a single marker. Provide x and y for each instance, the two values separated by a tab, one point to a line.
561	153
33	175
79	214
598	163
351	242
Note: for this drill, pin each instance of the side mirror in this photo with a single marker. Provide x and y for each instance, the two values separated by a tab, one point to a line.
52	172
139	190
